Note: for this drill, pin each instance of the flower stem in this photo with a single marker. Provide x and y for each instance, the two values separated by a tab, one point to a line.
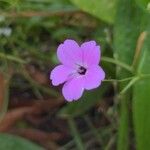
141	76
129	85
117	62
121	80
144	75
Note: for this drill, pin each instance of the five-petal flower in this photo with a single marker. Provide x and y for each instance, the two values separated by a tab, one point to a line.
79	69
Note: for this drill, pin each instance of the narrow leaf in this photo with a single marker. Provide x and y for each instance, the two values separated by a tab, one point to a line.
141	99
127	29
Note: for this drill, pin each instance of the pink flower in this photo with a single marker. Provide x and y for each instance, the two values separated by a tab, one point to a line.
79	69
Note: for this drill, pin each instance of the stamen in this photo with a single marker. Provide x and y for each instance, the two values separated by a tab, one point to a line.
82	70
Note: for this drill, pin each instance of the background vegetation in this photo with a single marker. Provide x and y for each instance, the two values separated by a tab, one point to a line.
33	113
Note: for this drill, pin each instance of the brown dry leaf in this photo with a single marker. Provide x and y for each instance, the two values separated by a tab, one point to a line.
35	107
12	116
47	104
139	45
2	89
4	83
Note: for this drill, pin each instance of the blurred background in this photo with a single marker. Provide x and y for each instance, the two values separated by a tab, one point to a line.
34	114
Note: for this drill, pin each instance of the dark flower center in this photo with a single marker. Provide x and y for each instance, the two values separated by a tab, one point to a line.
82	70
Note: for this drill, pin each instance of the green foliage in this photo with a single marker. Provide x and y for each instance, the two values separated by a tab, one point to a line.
143	3
42	5
9	142
36	27
103	9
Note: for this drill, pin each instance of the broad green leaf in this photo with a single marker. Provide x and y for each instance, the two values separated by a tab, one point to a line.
143	3
89	99
10	142
127	29
141	99
103	9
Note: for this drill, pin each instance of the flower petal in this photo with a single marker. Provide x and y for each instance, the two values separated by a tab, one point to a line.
91	53
73	89
93	77
69	53
60	74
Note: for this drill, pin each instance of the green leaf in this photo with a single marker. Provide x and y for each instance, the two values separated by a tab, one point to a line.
143	3
103	9
10	142
89	99
141	99
127	30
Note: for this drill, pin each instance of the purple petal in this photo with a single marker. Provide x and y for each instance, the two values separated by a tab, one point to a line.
60	74
69	53
73	89
91	53
93	77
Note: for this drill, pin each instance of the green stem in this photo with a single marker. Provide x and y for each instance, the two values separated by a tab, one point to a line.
121	80
141	76
12	58
134	79
117	62
76	134
144	75
129	85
